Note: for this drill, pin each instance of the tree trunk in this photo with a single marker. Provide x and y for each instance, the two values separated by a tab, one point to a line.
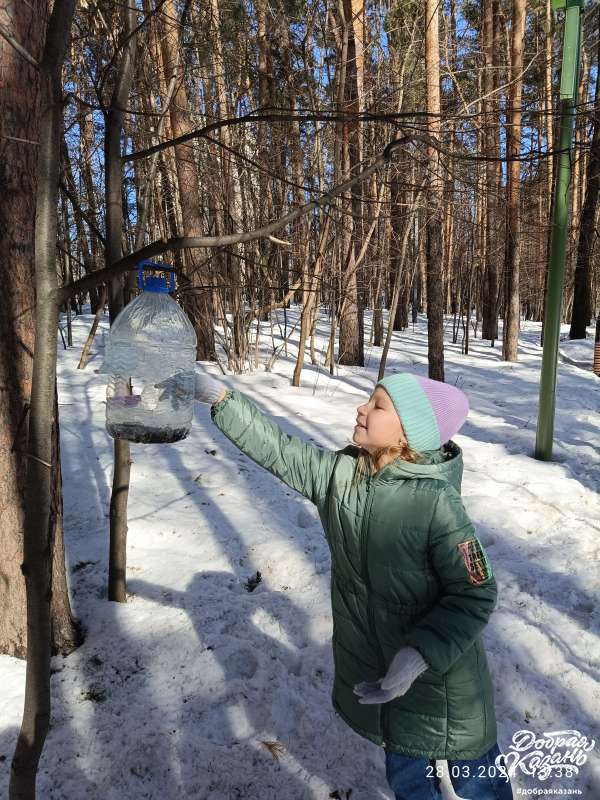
397	283
577	182
41	500
82	238
311	282
117	586
18	179
377	327
399	220
489	324
267	149
229	192
435	289
422	264
582	289
87	145
549	112
510	339
198	303
351	321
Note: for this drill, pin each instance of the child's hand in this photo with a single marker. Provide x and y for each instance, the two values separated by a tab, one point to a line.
178	388
207	389
406	666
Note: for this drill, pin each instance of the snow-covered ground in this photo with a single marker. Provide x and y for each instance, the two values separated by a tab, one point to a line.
578	352
174	693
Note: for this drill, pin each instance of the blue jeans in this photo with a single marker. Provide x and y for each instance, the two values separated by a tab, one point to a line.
474	779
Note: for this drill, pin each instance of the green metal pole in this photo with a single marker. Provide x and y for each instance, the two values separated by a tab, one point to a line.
560	219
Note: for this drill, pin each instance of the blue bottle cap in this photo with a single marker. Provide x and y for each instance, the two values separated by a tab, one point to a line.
156	284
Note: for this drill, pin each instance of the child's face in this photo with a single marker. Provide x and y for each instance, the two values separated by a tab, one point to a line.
378	423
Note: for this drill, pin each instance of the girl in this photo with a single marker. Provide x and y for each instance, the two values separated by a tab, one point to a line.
411	586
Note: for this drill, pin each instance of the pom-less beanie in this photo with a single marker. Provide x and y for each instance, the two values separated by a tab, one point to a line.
431	412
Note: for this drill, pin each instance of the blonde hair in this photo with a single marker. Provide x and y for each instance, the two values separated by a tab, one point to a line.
366	462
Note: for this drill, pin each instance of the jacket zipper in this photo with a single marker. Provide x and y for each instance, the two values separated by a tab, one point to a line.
370	611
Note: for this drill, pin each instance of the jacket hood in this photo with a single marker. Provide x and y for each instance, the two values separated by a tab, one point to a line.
443	464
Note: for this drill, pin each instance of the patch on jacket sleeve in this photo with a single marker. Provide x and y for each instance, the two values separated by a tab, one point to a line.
475	560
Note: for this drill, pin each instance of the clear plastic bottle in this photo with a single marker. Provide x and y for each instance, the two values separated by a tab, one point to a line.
150	342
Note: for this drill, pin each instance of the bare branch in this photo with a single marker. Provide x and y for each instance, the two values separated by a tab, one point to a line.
17	139
79	210
183	242
417	135
259	115
7	35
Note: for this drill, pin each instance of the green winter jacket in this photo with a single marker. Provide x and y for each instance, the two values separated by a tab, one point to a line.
406	569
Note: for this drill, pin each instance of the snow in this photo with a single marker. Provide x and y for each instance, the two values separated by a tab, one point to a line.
578	352
174	693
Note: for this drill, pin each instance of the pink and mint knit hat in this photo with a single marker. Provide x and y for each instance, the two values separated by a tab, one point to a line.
431	412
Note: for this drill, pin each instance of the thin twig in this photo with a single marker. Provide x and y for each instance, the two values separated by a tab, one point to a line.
18	139
7	35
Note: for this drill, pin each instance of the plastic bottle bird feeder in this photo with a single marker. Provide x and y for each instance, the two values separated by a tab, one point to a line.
150	342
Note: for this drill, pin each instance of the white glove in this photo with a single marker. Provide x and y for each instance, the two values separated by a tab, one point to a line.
405	667
176	389
207	389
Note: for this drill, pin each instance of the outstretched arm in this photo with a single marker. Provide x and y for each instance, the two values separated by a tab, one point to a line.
301	465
